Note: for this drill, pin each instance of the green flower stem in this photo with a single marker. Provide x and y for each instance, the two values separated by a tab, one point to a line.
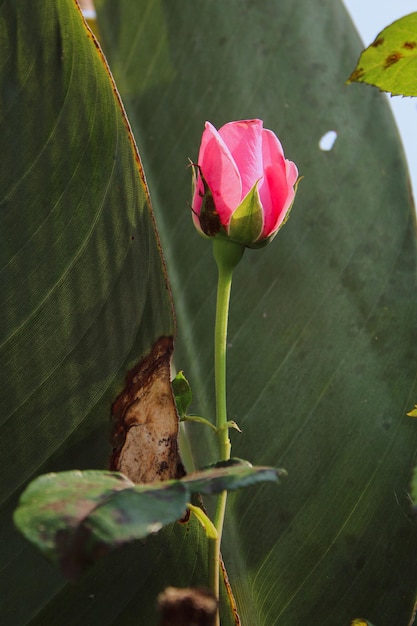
214	549
227	255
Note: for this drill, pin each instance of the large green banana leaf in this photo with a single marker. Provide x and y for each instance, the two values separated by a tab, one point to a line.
84	295
321	358
322	361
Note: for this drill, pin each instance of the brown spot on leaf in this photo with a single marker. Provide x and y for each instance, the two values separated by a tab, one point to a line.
410	45
392	59
145	433
378	42
357	74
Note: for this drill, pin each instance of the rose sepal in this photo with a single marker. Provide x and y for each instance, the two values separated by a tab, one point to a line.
207	220
246	222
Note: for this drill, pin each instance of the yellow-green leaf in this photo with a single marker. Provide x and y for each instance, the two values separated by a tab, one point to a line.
390	62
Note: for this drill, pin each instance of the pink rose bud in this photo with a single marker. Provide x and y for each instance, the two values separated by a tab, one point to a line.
243	186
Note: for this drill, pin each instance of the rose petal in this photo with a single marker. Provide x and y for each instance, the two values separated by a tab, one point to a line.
292	176
220	172
276	191
244	140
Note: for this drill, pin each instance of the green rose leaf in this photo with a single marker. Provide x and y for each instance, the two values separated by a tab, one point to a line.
75	517
390	62
182	393
230	475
